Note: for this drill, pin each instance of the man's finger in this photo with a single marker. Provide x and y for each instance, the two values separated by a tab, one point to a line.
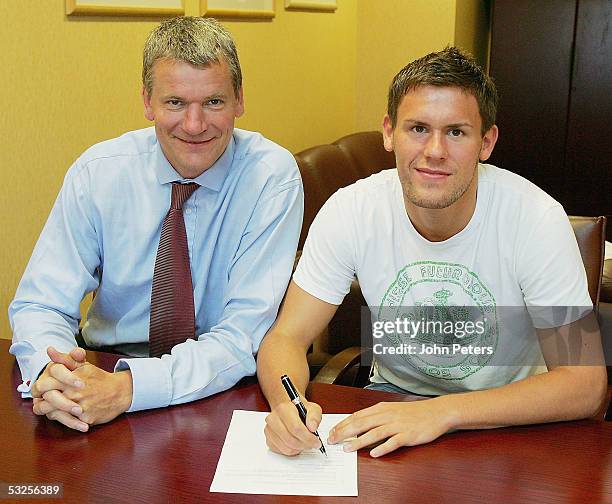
67	359
38	408
276	430
276	444
366	412
68	420
289	430
393	443
370	438
62	374
295	428
78	354
45	383
353	426
313	416
59	401
42	407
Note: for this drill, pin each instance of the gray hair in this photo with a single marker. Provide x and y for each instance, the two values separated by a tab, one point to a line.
450	67
198	41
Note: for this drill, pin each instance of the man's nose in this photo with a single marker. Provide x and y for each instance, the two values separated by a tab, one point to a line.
435	147
195	121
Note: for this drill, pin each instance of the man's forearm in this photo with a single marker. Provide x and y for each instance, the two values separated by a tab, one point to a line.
561	394
279	355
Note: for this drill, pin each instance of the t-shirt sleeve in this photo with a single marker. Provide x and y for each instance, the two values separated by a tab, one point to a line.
327	265
551	272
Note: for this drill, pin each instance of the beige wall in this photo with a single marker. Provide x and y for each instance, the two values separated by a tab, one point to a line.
310	77
390	33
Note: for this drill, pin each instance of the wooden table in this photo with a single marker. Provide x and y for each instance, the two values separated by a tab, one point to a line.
170	454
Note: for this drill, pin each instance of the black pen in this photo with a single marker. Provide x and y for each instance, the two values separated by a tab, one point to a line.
295	399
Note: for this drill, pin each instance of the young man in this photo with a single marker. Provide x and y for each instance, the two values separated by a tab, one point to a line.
444	231
192	289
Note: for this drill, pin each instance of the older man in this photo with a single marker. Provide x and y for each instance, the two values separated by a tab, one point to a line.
186	233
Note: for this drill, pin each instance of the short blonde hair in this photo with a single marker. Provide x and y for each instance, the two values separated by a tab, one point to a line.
198	41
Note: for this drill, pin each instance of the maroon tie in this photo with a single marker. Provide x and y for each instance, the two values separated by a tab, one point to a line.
172	312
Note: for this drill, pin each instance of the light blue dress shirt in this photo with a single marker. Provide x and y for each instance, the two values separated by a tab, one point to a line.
242	226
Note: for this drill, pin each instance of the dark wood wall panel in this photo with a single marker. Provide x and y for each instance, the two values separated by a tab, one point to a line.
589	141
531	61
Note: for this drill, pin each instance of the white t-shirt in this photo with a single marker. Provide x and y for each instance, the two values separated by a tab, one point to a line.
518	250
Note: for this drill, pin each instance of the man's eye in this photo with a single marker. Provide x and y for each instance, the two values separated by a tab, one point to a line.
174	103
215	102
455	132
419	129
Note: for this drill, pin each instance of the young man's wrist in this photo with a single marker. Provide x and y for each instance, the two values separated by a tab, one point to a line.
450	412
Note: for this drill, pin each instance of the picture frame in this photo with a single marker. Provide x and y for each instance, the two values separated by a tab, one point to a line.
238	8
125	7
319	5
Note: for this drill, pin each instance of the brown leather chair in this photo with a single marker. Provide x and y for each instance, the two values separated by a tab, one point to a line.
605	295
324	170
344	368
605	319
327	168
591	234
600	286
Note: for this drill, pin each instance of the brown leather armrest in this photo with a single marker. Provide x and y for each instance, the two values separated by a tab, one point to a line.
343	368
606	282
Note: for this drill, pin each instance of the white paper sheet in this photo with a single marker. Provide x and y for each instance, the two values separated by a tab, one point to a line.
248	466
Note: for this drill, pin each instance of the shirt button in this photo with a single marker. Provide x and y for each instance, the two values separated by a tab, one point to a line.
188	211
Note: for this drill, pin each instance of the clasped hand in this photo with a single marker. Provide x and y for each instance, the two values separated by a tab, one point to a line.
78	394
389	425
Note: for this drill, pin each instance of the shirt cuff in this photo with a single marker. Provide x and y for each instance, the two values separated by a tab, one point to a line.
37	363
151	382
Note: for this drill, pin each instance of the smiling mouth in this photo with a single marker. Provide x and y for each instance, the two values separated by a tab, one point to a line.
434	174
194	142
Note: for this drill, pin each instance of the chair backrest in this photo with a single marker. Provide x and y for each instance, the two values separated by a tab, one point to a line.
367	152
590	234
327	168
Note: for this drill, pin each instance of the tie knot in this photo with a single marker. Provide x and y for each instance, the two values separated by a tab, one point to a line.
181	193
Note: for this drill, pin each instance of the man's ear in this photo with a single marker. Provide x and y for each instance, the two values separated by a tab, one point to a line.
240	105
387	133
148	109
488	143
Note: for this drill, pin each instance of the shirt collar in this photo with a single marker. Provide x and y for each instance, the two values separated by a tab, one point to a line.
212	178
